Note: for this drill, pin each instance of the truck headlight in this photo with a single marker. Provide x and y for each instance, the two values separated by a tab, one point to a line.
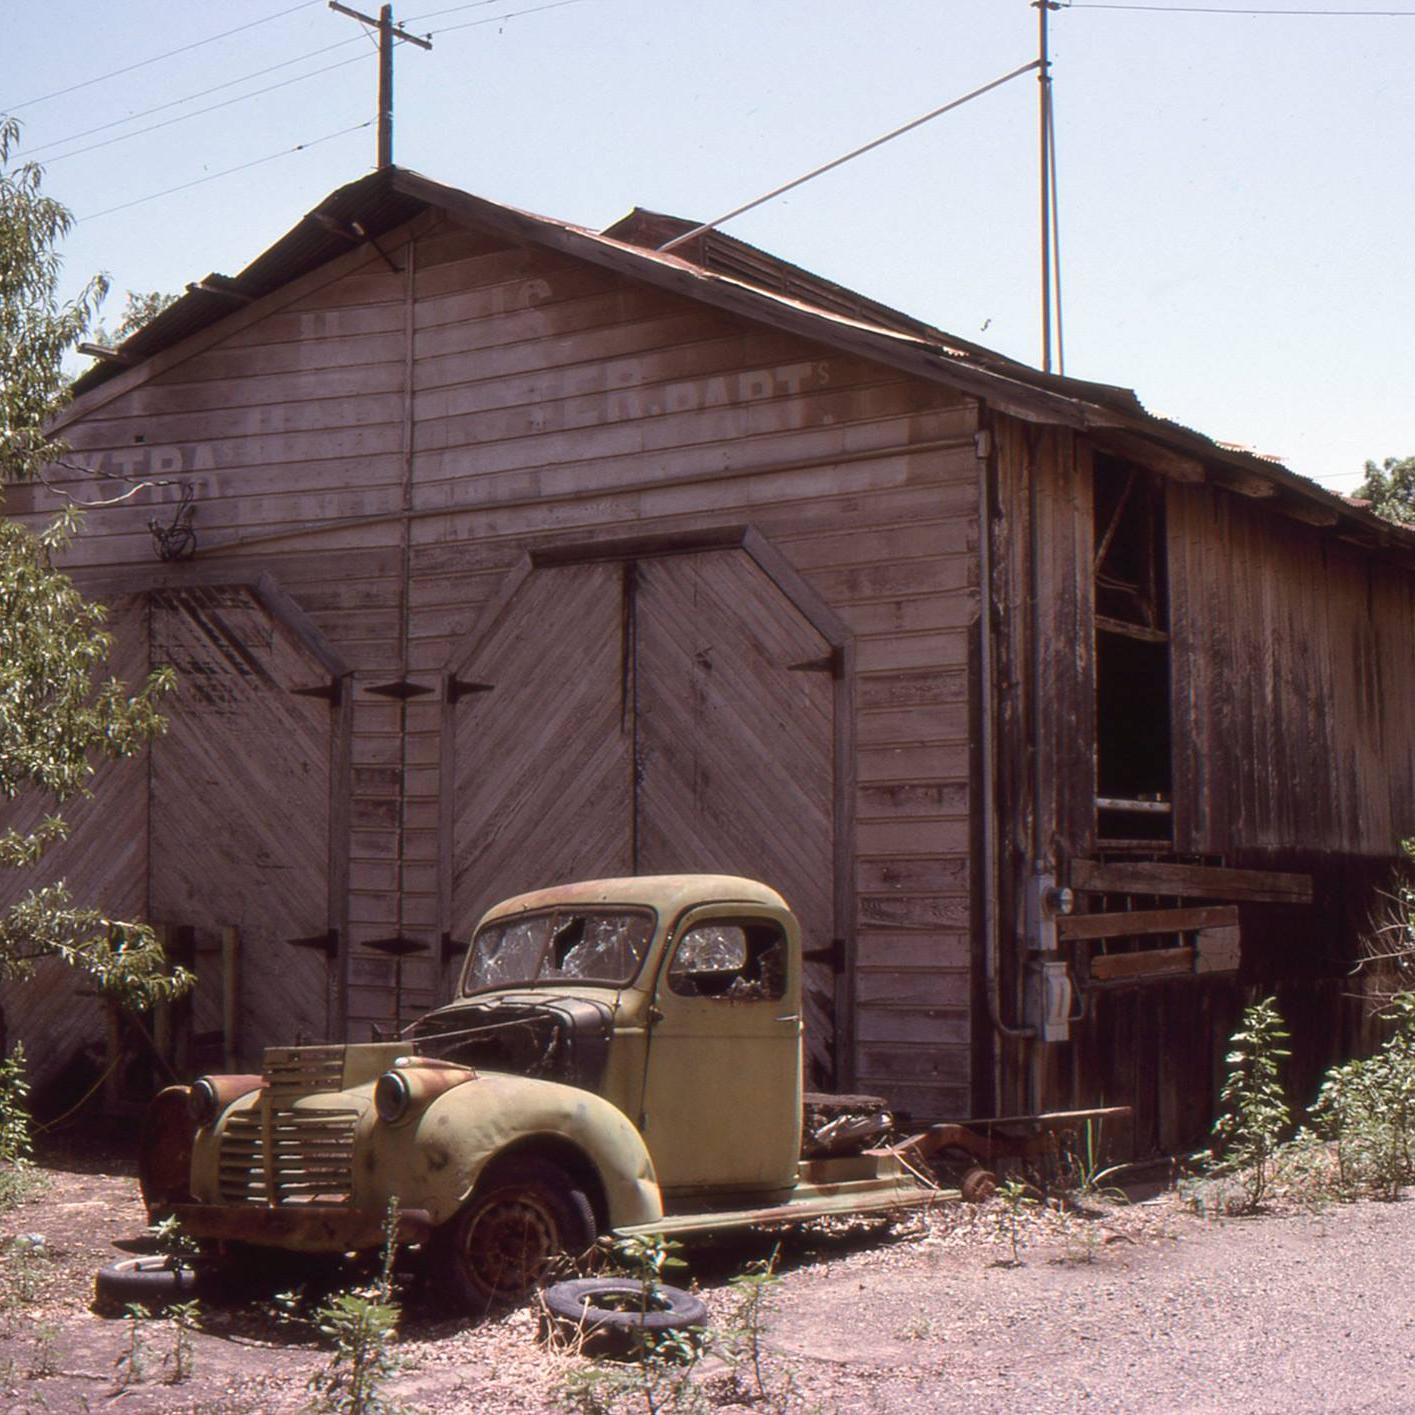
205	1104
392	1096
210	1095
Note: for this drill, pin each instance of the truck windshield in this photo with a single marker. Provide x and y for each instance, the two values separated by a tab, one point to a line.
587	945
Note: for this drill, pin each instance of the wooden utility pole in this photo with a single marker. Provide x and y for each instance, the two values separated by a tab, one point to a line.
387	33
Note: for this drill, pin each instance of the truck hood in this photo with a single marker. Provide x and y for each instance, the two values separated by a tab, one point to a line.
546	1035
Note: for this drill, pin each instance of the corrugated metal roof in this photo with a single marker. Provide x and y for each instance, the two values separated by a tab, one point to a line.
373	202
718	269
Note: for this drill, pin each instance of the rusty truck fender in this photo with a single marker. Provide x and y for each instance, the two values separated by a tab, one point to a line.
433	1158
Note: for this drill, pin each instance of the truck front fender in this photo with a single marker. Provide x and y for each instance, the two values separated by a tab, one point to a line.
432	1159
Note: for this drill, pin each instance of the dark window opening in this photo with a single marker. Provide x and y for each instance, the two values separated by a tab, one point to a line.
1130	559
1133	729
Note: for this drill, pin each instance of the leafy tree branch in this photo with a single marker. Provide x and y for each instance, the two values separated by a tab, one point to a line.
61	712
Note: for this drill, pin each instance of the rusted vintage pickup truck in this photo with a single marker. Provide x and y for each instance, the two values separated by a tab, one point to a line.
621	1055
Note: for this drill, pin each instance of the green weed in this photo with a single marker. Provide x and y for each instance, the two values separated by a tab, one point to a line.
131	1365
1013	1197
16	1179
362	1324
1255	1116
185	1317
1366	1110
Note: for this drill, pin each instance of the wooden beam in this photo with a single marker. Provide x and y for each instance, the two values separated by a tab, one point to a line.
1174	465
1134	922
1150	963
1310	513
102	351
577	551
1246	483
1190	881
302	628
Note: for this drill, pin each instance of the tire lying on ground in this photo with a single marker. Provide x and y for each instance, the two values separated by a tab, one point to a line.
613	1315
152	1281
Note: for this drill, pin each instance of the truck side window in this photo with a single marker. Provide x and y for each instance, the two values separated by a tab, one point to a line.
736	961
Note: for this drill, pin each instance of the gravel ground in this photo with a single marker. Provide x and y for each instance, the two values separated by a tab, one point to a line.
1143	1307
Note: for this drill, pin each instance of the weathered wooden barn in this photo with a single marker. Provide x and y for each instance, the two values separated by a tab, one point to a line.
492	552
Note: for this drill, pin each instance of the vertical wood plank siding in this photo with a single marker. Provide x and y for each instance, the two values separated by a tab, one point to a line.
1293	749
552	402
1288	651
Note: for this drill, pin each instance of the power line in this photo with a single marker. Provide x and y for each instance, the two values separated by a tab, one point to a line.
210	108
510	15
157	58
859	151
453	10
245	78
244	166
1219	10
188	98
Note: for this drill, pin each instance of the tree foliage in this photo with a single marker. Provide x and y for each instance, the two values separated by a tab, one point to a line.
1390	488
35	329
60	714
139	308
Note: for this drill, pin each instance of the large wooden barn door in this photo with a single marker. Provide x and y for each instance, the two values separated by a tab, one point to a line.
541	744
648	716
240	801
735	746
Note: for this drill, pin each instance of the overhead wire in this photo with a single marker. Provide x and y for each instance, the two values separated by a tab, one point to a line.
451	10
509	15
241	98
270	88
157	58
1245	11
242	167
849	156
31	150
210	108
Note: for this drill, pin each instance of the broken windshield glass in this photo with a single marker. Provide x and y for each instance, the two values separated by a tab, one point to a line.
585	945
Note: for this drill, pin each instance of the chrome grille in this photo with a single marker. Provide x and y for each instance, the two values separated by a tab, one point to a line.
302	1071
275	1153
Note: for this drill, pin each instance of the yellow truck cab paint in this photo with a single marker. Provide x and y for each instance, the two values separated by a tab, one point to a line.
620	1054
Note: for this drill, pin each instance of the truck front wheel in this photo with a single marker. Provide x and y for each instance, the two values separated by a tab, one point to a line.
500	1246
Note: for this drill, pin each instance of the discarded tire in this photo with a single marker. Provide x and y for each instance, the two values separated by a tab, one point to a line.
613	1315
153	1282
978	1185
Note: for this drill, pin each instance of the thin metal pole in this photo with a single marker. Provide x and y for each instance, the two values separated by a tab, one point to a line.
1044	134
1056	239
385	86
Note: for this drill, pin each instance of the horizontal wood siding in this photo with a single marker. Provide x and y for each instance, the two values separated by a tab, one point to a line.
389	444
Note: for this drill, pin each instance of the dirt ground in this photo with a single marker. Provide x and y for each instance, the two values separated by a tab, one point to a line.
1140	1307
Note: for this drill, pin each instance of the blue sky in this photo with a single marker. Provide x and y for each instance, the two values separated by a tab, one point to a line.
1236	198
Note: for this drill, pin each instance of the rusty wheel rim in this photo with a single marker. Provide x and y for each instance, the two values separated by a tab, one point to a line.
510	1243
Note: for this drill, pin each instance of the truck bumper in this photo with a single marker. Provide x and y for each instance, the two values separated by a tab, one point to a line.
305	1228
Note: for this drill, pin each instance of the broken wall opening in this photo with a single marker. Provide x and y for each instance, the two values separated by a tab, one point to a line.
1134	744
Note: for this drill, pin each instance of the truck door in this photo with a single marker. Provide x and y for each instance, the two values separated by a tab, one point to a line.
722	1092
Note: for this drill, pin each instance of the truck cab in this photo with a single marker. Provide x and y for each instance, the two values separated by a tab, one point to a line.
677	999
